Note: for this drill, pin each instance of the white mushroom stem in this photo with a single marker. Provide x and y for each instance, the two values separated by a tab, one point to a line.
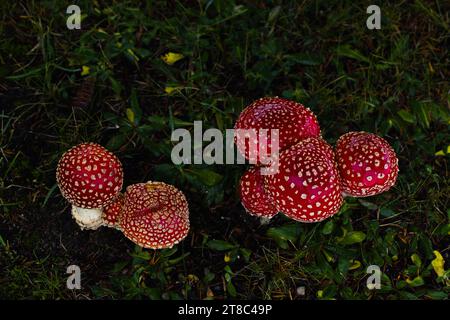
90	219
265	220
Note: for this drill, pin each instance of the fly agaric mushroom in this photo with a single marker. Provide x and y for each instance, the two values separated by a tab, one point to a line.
111	213
306	186
155	215
254	198
89	177
367	164
293	121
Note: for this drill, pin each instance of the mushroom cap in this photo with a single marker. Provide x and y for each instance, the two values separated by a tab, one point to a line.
254	197
367	164
155	215
293	120
89	176
111	212
306	187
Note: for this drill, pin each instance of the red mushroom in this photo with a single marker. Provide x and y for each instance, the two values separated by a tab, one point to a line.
367	164
155	215
254	198
293	121
89	177
306	186
111	213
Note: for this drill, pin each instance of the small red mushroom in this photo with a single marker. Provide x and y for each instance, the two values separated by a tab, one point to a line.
111	213
254	198
367	164
155	215
89	177
293	121
306	186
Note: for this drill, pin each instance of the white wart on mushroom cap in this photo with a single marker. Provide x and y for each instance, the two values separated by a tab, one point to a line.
155	215
306	186
89	177
254	197
367	164
293	121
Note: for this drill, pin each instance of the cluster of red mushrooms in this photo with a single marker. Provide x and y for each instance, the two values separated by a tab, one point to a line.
153	214
311	179
308	184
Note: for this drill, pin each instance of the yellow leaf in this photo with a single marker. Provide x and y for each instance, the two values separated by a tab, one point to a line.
171	57
192	278
169	90
448	149
130	115
209	293
438	264
320	294
440	153
227	258
131	53
85	70
355	265
328	256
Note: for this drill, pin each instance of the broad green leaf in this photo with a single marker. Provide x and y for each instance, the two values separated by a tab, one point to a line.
288	232
437	295
231	289
416	260
207	176
386	212
220	245
116	86
406	116
416	282
347	51
328	227
352	237
368	205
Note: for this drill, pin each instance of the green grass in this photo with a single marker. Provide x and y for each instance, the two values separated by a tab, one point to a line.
393	82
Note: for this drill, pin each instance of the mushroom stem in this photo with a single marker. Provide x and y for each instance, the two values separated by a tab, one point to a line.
265	220
90	219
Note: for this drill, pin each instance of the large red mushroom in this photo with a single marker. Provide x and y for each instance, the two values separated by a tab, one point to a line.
90	178
155	215
306	186
367	164
254	197
293	121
